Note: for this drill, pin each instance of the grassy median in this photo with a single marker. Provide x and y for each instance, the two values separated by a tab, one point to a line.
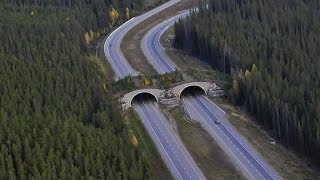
131	42
288	164
210	158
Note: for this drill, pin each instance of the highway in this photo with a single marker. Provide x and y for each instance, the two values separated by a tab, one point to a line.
171	149
153	50
214	121
200	108
112	50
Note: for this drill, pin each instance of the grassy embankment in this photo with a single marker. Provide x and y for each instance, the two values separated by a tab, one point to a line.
288	164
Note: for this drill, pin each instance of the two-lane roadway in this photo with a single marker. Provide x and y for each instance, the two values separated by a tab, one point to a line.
213	119
200	108
112	50
153	50
170	147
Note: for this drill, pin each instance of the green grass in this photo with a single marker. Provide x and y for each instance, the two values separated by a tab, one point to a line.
158	168
193	68
213	162
288	164
210	74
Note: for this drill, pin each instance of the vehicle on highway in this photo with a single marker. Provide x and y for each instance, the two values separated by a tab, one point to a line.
174	154
204	111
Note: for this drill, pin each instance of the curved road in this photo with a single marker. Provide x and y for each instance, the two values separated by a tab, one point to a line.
171	149
112	50
200	108
153	50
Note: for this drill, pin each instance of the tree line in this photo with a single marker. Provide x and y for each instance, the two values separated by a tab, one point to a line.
271	50
58	117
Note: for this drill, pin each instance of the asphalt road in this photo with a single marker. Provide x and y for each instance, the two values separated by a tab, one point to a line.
173	152
202	109
112	50
169	145
214	121
153	50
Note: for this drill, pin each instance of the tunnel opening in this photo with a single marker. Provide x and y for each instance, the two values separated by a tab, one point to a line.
144	96
192	90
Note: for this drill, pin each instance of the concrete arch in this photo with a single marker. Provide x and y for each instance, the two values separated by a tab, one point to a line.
194	89
178	89
144	95
127	98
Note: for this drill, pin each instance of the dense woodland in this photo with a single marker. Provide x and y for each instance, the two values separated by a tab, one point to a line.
58	118
271	50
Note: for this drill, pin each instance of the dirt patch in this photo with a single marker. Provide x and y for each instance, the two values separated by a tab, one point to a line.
130	45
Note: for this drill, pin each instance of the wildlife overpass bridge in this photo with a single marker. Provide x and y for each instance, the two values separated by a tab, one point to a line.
156	93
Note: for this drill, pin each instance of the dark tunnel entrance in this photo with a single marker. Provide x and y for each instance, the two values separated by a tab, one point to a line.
192	90
144	96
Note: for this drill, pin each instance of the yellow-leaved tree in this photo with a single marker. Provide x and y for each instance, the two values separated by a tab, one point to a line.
89	36
146	81
127	13
235	83
114	15
254	69
134	139
247	74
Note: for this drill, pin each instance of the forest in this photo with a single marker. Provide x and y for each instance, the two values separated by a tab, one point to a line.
270	48
58	116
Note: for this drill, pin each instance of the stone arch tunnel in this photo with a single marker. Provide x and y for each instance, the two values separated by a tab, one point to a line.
142	93
144	96
190	90
198	87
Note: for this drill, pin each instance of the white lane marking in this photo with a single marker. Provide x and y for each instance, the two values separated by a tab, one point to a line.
216	105
154	33
231	152
184	152
249	152
159	140
150	58
108	42
124	31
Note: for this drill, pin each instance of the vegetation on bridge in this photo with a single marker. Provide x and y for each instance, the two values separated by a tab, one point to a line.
271	49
